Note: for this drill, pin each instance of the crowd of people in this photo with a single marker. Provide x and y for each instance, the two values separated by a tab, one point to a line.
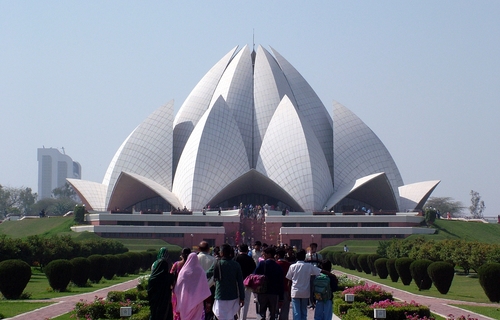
209	284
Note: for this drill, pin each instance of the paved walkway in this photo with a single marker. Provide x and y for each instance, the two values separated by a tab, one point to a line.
438	306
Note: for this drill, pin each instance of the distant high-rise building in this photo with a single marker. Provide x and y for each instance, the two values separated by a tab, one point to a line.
53	169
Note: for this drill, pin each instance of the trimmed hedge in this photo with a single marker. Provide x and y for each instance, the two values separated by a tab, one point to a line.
392	313
391	268
441	274
14	276
489	278
59	272
354	261
363	263
371	262
418	270
80	271
112	266
123	263
97	266
381	267
134	265
403	269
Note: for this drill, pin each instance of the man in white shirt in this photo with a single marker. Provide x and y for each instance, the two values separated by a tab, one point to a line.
300	274
207	260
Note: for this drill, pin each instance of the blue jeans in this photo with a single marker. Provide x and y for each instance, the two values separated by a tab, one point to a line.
323	310
299	306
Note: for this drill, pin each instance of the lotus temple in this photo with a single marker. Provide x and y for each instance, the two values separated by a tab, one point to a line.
253	154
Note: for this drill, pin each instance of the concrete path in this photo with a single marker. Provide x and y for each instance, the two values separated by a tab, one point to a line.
438	306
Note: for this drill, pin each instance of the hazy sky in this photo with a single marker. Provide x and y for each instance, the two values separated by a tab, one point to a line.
423	75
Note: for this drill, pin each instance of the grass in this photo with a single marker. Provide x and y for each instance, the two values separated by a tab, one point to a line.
39	289
469	231
10	309
463	288
491	312
30	227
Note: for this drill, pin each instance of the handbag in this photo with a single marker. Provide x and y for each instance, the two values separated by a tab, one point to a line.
256	282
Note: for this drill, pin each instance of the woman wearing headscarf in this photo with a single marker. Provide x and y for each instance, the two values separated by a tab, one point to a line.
191	289
160	287
176	269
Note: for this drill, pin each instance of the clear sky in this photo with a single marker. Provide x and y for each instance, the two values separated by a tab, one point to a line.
423	75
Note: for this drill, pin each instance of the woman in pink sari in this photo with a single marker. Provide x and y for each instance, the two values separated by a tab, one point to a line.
191	289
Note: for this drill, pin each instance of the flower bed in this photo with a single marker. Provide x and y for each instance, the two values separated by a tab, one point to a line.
367	298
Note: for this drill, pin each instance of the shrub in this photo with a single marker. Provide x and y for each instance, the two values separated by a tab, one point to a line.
80	271
348	260
142	282
97	267
368	294
124	260
418	270
354	261
58	273
346	282
14	276
403	269
134	265
106	309
115	296
356	314
381	267
337	257
146	260
371	262
489	278
112	265
396	310
441	274
391	268
363	263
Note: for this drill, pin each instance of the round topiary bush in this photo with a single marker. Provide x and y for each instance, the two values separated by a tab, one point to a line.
80	272
363	263
354	261
403	269
97	266
337	258
59	273
146	260
14	276
489	278
391	268
441	274
381	267
124	260
135	263
418	270
371	262
112	265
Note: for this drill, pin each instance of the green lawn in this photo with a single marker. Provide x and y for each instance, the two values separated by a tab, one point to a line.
39	289
10	309
31	227
491	312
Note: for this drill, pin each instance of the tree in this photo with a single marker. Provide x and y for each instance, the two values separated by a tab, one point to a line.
445	204
66	191
477	205
16	200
